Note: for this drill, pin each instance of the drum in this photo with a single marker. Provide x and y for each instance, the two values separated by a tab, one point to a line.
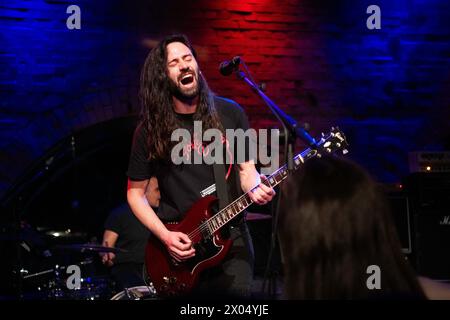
137	293
91	288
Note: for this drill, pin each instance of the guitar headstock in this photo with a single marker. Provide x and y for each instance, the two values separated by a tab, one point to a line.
333	142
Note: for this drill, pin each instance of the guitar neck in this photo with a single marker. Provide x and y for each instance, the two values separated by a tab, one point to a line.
225	215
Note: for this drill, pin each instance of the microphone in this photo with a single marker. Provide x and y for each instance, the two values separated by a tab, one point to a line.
227	67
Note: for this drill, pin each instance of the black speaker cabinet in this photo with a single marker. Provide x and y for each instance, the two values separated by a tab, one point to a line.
433	245
429	195
401	215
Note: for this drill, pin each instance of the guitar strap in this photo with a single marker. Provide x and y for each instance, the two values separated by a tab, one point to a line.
221	185
220	180
223	193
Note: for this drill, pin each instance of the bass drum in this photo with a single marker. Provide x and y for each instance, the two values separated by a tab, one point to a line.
137	293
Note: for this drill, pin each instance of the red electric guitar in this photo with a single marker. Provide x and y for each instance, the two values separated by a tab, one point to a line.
171	278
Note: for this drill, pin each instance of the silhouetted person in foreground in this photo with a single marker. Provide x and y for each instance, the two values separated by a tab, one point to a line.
335	224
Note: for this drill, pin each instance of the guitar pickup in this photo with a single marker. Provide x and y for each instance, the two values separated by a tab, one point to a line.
206	234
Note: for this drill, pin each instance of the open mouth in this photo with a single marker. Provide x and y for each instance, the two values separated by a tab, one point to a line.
187	79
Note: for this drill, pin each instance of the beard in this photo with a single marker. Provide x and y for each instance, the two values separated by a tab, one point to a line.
181	93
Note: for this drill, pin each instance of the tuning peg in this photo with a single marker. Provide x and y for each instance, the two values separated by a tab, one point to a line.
345	151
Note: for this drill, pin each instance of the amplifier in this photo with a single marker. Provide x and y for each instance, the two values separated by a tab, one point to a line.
402	219
422	161
428	195
433	245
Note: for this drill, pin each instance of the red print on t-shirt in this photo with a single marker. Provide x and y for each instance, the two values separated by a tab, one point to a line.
203	149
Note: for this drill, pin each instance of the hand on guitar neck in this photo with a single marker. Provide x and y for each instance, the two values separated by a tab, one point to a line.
261	194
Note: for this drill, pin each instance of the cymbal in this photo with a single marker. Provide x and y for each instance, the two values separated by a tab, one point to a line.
65	234
89	247
27	235
19	237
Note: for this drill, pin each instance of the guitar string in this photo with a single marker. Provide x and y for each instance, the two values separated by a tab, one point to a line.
248	201
204	226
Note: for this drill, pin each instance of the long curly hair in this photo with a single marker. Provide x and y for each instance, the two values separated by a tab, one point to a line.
157	114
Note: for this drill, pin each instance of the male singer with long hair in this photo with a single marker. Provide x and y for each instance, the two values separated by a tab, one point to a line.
174	94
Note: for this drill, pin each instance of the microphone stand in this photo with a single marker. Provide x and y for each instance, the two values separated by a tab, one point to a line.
292	131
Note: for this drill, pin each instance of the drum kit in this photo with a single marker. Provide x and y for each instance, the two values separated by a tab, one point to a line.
137	293
50	272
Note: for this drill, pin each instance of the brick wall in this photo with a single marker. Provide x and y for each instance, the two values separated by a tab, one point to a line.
387	89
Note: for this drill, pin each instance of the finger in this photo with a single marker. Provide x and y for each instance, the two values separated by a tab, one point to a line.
183	243
176	252
267	196
262	177
181	253
256	198
175	257
184	237
262	195
188	256
252	197
182	246
184	256
265	188
188	253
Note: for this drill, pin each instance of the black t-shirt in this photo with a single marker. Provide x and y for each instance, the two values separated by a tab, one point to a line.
182	185
133	235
